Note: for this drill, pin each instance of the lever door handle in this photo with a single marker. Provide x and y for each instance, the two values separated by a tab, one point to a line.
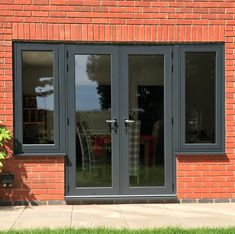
127	122
111	120
113	124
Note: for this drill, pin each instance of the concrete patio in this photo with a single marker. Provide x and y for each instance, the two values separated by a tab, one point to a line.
118	216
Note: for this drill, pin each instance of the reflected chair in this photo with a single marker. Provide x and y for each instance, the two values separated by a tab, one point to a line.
89	160
134	149
85	146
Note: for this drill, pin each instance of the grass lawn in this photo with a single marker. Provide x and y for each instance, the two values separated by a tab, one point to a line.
124	231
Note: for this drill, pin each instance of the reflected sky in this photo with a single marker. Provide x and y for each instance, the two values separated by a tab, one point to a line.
87	98
81	76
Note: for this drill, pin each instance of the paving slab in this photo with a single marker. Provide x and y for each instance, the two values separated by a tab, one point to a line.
44	217
203	215
181	215
213	221
148	216
9	215
225	208
98	216
119	216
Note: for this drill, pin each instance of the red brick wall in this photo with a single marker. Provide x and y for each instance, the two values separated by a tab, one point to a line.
206	177
36	178
122	21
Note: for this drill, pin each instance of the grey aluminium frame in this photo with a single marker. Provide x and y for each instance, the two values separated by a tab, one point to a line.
207	148
59	116
119	83
168	187
71	188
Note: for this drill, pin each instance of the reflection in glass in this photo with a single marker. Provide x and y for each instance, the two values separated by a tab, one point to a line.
38	97
93	108
146	108
200	97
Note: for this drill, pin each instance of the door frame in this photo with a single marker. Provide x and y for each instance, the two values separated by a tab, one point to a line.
119	188
124	51
73	50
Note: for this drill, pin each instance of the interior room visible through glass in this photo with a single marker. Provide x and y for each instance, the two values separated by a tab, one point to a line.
146	109
200	97
38	97
93	108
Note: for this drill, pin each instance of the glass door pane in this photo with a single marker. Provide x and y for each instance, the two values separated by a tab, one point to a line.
93	111
146	120
146	111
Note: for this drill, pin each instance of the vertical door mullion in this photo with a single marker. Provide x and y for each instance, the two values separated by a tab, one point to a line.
168	119
123	100
115	115
71	159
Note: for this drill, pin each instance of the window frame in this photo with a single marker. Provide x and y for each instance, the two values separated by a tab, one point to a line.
178	111
219	145
59	116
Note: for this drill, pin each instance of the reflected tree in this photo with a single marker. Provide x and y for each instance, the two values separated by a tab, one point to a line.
46	87
98	69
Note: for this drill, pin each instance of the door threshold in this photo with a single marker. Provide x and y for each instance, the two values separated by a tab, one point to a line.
121	199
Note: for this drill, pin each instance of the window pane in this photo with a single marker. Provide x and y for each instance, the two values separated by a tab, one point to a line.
200	97
38	97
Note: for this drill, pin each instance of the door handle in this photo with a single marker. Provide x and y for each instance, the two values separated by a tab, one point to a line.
127	122
113	124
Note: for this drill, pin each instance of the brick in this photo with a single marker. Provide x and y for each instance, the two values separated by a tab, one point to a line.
58	2
67	32
40	2
40	13
57	14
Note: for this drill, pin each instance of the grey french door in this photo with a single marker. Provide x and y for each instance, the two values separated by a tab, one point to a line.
119	121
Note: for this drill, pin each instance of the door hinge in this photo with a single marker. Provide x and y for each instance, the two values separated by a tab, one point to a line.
68	188
67	54
172	121
173	187
172	66
67	67
67	121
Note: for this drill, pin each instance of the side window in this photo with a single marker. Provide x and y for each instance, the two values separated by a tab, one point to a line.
37	117
38	97
201	99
